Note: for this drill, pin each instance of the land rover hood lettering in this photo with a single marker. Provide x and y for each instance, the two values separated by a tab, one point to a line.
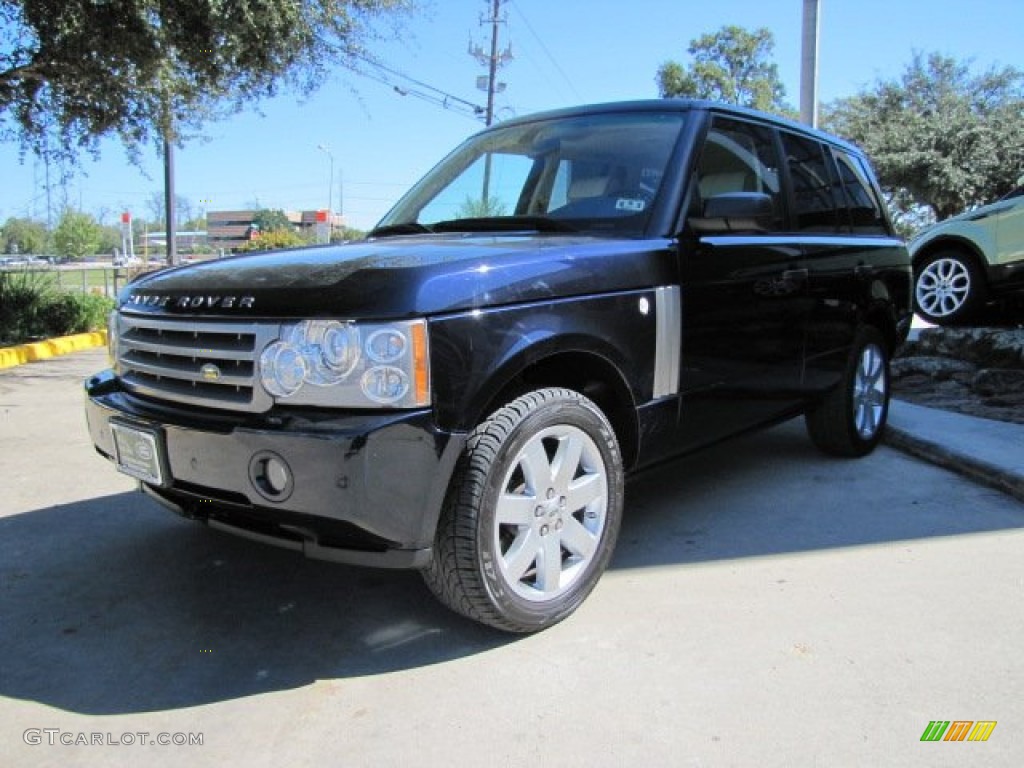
192	302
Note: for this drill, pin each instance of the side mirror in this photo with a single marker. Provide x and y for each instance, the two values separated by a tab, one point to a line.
735	212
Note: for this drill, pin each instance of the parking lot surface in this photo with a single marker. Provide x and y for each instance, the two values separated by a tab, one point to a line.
766	606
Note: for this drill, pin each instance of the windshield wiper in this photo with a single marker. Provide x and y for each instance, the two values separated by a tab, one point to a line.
405	228
504	224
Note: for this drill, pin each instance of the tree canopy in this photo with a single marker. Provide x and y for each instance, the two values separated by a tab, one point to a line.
268	220
77	235
732	65
21	235
72	71
939	136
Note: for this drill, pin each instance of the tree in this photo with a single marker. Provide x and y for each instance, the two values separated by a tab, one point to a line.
155	205
939	136
732	65
344	234
77	235
480	208
23	236
73	71
273	240
268	220
109	239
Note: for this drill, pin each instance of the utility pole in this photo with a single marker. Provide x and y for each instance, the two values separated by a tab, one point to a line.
330	191
489	83
493	60
809	65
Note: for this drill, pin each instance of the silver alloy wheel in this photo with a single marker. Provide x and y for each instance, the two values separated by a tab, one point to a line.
870	389
551	513
943	287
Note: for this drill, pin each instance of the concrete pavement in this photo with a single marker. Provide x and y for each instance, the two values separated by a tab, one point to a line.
766	606
988	452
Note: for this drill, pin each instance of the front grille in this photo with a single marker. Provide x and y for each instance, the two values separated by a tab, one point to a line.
212	365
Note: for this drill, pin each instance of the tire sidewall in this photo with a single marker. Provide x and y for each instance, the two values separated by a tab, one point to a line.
573	410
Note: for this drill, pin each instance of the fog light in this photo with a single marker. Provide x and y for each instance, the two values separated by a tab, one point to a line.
271	476
276	474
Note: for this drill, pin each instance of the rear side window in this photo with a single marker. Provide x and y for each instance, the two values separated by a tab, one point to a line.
818	202
865	208
739	157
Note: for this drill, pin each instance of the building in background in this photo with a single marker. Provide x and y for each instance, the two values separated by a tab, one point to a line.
229	230
187	240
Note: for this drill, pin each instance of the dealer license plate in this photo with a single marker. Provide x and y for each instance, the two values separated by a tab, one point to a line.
138	453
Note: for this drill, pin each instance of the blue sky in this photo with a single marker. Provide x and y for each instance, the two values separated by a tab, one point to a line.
565	53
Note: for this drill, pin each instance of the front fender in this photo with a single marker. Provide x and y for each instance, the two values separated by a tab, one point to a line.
475	355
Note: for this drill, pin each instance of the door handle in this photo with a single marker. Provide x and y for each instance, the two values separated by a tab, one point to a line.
795	275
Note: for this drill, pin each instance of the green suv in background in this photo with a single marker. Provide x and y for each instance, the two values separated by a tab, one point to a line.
963	262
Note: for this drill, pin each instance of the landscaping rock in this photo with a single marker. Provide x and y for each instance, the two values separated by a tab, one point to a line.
977	371
998	381
939	368
986	347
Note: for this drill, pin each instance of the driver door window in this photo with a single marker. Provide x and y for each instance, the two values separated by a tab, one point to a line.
739	157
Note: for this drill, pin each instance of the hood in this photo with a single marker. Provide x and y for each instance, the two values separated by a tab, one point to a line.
400	277
968	219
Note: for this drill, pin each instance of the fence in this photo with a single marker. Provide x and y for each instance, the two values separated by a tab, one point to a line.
106	281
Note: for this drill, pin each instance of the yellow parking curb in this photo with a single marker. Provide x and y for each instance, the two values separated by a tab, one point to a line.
43	350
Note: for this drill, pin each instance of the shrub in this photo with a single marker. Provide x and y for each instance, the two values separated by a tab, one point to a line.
75	313
23	294
31	307
270	241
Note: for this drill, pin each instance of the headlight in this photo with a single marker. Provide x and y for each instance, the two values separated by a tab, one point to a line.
334	364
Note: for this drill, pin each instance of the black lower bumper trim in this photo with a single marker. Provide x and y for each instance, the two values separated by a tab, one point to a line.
296	537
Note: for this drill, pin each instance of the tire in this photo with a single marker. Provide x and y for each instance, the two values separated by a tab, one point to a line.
850	420
948	288
524	537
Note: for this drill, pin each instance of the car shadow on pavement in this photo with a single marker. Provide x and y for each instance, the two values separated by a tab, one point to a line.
772	492
112	605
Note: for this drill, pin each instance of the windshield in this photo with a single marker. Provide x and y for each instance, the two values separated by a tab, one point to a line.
591	173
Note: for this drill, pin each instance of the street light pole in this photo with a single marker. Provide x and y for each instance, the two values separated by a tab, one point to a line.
170	213
809	65
330	192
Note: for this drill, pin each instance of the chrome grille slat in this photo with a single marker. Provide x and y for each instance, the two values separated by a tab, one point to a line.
186	370
218	351
163	358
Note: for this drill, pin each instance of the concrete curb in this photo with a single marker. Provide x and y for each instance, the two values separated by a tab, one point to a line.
43	350
977	470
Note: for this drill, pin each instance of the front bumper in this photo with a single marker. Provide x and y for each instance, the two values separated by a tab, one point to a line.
365	488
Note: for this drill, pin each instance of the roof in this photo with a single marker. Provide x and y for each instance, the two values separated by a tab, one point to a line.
679	105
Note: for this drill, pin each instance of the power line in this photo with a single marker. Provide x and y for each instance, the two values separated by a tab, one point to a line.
544	48
429	93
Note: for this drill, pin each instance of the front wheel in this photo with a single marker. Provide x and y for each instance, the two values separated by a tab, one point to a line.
850	420
533	513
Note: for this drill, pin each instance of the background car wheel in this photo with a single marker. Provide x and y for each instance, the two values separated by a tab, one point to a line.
850	420
948	288
533	513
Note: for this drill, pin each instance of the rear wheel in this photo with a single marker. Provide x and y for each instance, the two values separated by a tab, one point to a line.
850	420
948	288
533	513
